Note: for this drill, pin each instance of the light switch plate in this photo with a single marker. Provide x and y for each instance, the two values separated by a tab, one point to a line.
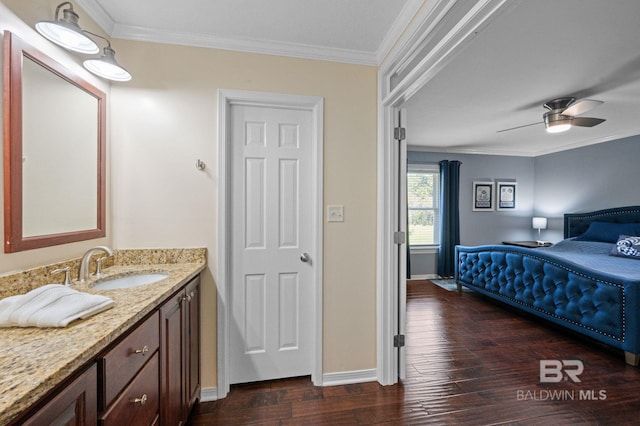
335	213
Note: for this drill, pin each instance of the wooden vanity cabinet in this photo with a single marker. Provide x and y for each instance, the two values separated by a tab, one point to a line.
75	405
149	376
180	354
193	343
129	390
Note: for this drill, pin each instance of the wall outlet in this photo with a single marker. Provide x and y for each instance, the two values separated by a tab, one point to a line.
335	213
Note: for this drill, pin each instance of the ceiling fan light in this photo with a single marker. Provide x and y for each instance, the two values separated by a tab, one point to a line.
555	122
66	32
558	127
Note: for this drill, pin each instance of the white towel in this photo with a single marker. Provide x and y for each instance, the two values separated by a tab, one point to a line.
52	305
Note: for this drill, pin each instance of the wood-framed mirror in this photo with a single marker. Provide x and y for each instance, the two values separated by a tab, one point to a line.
54	151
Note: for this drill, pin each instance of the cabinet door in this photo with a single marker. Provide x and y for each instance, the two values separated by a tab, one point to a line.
192	347
76	404
171	361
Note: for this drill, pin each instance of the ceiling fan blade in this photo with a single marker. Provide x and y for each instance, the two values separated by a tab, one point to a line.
519	127
581	106
586	121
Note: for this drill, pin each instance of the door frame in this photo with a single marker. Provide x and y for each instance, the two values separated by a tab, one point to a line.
417	61
315	106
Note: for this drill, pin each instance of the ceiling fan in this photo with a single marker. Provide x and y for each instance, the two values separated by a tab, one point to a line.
562	115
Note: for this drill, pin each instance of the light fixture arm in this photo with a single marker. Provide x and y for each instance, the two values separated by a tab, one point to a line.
99	36
66	3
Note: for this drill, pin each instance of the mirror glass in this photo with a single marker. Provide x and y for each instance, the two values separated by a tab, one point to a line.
55	147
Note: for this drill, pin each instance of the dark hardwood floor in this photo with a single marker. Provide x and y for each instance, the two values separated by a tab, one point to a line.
469	361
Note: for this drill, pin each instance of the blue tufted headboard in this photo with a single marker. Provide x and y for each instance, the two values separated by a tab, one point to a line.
576	223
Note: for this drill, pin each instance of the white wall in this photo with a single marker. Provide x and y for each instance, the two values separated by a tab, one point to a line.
165	119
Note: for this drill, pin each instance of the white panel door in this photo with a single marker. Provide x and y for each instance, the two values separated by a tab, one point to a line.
272	261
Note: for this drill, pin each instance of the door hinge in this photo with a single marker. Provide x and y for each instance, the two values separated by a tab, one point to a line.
399	237
399	133
398	341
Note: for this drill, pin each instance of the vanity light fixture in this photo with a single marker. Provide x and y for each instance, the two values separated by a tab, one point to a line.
107	66
66	32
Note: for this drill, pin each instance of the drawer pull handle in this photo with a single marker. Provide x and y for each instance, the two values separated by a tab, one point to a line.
143	351
142	400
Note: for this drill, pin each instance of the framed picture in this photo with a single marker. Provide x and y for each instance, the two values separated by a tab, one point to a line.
483	196
506	195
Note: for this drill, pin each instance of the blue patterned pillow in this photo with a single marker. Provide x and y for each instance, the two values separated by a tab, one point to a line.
608	232
627	246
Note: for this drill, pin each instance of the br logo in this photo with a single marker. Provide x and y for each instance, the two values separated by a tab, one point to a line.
555	370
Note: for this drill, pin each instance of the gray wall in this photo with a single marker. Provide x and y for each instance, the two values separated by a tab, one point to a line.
484	227
584	179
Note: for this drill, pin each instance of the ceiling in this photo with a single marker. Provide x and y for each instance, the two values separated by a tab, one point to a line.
533	52
353	31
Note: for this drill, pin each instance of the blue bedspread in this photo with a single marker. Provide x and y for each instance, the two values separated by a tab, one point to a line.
595	256
576	284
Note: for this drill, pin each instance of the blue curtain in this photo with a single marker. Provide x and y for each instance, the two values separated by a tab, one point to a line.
449	216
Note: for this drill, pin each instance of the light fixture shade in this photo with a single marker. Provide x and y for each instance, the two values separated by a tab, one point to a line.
539	223
107	66
558	127
66	32
555	122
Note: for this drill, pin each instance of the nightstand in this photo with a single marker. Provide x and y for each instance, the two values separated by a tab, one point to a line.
528	244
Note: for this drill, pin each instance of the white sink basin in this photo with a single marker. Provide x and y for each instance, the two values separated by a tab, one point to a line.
129	281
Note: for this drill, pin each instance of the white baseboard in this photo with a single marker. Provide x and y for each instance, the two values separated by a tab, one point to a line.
425	277
208	394
349	377
328	379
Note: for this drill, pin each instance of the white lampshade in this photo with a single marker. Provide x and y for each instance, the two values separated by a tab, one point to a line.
539	223
558	126
107	67
66	32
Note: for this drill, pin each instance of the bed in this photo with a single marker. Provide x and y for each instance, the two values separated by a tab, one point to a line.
588	283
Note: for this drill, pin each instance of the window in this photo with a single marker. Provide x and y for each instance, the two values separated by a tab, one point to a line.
423	204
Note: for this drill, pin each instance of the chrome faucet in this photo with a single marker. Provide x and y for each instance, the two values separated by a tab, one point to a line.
83	275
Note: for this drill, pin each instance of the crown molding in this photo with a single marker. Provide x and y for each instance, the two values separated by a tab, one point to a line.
98	14
484	150
295	50
267	47
398	28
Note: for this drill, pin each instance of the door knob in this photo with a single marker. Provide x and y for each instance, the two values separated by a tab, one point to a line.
305	257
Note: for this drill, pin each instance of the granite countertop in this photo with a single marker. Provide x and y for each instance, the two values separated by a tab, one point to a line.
34	360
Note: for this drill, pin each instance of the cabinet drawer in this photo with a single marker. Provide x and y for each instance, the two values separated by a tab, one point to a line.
138	404
122	363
